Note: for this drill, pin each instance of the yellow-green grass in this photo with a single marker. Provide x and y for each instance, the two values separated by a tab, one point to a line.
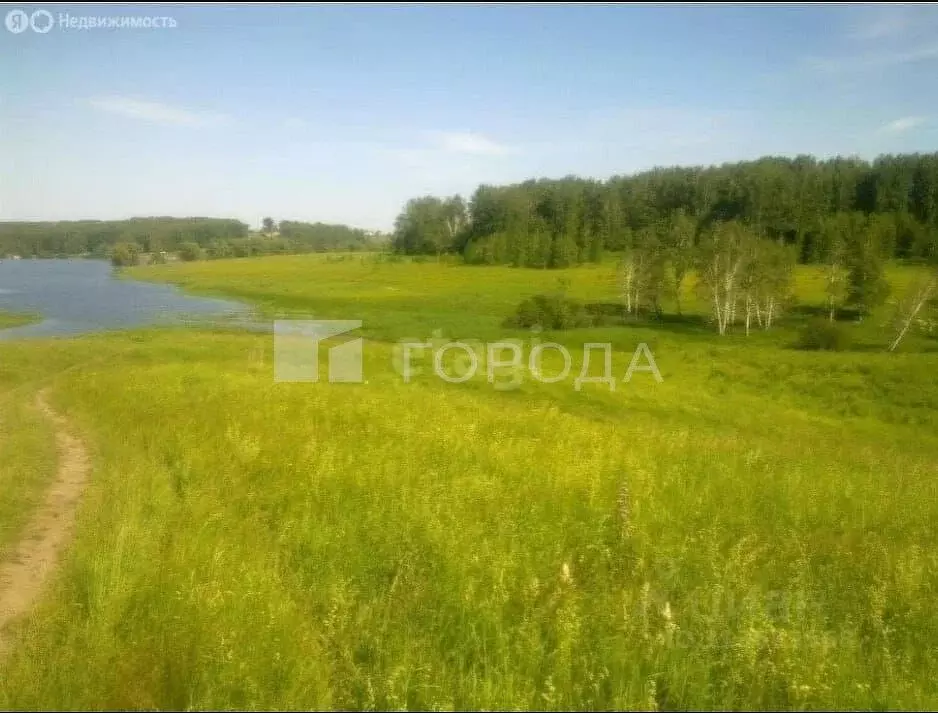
405	299
27	463
16	319
754	531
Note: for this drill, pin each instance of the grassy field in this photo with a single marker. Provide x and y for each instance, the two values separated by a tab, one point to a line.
754	531
410	299
13	319
27	462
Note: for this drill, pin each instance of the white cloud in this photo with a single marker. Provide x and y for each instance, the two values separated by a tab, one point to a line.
892	36
293	122
904	124
412	158
156	112
874	60
875	23
437	151
888	21
469	143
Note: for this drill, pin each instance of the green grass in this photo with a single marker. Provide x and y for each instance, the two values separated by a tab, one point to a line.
405	299
27	464
755	531
16	319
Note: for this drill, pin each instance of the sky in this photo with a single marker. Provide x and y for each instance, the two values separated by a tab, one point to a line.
341	113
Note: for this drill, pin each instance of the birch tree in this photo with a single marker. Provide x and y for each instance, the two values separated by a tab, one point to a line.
680	242
455	217
776	276
915	301
642	272
834	230
723	254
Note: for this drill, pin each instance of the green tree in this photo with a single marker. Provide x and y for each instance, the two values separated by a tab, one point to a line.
681	250
455	216
642	274
725	250
867	287
776	265
191	251
835	237
429	226
219	249
564	251
125	254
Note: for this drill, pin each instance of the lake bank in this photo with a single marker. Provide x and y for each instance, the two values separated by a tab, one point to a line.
17	319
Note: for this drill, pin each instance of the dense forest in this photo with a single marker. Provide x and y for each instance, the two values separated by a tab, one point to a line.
803	203
96	237
324	236
191	238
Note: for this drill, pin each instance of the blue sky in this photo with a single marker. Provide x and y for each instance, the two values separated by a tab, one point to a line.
342	113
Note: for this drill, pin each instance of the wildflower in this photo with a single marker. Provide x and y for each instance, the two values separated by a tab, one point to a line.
565	575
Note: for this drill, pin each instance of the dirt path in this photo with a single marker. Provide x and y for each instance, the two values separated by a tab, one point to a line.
35	557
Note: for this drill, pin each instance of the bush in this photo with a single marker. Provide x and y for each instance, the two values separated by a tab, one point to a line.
125	254
189	252
219	249
604	314
549	312
824	335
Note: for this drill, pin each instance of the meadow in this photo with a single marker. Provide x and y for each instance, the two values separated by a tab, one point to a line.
754	531
15	319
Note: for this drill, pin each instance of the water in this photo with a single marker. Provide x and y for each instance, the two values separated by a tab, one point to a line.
81	296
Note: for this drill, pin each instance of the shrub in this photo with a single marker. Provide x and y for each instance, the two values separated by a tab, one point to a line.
824	335
190	252
219	249
603	314
549	312
125	254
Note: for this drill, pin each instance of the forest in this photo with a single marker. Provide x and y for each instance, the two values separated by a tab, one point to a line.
803	203
192	238
97	237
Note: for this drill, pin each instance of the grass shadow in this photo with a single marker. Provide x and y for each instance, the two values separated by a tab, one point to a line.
612	314
814	311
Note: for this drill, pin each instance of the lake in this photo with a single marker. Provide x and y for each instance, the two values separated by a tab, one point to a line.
82	296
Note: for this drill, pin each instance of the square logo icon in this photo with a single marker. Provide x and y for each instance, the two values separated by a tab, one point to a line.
297	347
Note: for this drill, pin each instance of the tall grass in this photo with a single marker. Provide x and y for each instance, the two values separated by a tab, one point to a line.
755	531
27	463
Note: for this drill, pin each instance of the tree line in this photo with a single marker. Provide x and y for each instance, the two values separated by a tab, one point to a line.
97	237
125	241
325	236
802	203
744	281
